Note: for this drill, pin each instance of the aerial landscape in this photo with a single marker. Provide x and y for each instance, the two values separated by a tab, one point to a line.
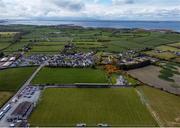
79	69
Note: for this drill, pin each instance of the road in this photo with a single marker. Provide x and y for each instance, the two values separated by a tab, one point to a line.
19	91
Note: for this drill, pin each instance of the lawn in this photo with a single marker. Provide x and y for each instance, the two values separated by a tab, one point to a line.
166	105
12	79
67	107
4	96
70	76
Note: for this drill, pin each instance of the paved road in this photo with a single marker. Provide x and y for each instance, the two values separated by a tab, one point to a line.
27	82
21	89
34	98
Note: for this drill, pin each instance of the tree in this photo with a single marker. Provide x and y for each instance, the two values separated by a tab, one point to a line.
1	54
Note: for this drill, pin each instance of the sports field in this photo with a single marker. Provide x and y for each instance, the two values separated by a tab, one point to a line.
166	105
12	79
4	96
67	107
70	76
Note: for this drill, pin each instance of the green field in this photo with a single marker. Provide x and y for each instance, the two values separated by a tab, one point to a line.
70	76
4	45
50	43
12	79
168	71
163	55
176	45
51	48
166	105
50	39
67	107
16	47
168	48
4	96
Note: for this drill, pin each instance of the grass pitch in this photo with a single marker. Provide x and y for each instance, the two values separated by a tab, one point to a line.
67	107
70	76
166	105
12	79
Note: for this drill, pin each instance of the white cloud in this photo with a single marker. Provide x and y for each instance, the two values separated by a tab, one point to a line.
116	10
120	2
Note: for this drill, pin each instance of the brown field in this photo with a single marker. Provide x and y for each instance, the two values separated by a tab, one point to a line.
149	75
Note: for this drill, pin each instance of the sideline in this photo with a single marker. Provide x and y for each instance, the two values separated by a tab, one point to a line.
153	113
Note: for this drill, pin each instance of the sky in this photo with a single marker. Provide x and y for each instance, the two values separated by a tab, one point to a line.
161	10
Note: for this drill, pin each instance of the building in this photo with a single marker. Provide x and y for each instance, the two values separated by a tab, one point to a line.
22	111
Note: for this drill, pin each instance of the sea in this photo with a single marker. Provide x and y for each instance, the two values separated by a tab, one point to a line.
170	25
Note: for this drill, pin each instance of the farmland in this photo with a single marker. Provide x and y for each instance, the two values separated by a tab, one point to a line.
12	79
166	52
168	48
109	40
4	45
154	78
67	107
70	76
176	45
162	55
53	48
164	104
168	71
71	55
4	96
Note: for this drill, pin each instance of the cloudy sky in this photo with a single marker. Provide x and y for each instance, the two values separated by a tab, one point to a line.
91	9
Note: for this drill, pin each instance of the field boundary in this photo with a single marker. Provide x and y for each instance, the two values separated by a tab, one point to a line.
81	86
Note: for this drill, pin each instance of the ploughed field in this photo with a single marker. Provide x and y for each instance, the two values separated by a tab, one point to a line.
156	76
12	79
68	107
70	76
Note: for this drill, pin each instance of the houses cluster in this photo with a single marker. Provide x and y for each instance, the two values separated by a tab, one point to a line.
33	60
136	62
72	60
177	53
7	61
107	58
